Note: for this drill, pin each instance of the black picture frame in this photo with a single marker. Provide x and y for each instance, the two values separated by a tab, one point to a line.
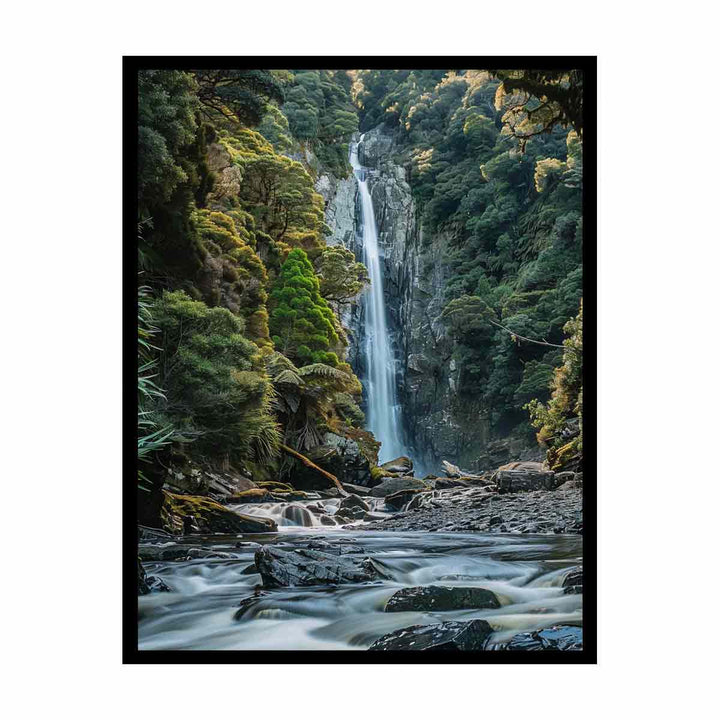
130	652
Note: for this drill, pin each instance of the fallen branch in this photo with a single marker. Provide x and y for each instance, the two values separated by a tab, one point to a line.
537	342
310	464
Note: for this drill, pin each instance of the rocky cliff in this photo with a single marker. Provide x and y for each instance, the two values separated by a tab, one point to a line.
439	423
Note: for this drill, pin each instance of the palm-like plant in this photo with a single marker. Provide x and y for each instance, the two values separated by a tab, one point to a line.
153	434
305	397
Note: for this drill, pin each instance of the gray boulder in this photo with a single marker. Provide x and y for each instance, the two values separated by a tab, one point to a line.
353	501
402	465
301	567
524	477
459	636
438	598
356	489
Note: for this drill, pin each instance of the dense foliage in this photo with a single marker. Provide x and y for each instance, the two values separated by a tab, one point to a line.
231	228
509	211
239	347
559	423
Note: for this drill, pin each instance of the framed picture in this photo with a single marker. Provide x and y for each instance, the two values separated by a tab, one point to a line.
360	382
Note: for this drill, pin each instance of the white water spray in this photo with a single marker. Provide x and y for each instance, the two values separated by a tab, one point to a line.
383	418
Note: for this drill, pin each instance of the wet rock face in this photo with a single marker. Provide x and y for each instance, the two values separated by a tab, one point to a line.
338	455
458	636
437	598
306	567
439	422
558	637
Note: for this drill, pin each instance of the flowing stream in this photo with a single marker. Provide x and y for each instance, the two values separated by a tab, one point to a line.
383	417
524	571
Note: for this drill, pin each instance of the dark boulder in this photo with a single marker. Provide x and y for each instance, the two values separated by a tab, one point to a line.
460	636
437	598
356	489
353	501
304	567
558	637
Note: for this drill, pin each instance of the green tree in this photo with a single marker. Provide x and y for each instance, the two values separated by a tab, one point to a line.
302	325
166	126
341	276
275	128
242	95
535	101
217	389
559	423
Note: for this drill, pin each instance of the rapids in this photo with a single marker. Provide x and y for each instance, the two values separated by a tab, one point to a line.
524	571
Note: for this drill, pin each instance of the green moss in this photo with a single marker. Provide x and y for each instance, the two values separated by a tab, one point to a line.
377	473
275	486
289	495
208	515
249	495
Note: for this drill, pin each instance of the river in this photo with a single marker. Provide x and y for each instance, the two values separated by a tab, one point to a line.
524	571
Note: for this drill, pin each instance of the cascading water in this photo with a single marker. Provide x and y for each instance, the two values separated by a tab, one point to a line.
383	418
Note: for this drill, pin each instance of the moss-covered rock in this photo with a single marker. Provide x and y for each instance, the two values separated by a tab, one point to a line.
274	485
377	475
288	495
189	513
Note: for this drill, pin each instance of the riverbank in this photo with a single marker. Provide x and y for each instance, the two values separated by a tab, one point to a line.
475	510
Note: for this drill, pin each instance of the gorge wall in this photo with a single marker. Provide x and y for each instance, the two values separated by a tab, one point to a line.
439	422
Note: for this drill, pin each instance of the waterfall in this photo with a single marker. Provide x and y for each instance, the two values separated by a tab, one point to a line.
383	417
